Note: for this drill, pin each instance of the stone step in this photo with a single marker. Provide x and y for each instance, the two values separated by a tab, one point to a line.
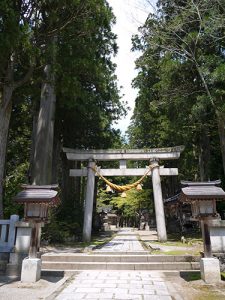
96	252
65	266
58	273
71	257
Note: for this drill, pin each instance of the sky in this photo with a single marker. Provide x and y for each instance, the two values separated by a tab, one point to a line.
130	14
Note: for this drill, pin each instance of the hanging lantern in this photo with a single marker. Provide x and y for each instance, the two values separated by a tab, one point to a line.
123	195
139	187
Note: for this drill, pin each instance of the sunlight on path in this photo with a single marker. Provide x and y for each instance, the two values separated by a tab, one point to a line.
125	241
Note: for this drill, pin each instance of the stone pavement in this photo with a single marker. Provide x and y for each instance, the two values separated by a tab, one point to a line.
124	241
140	285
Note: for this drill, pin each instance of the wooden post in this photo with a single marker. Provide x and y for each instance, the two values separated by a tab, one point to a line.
206	238
34	242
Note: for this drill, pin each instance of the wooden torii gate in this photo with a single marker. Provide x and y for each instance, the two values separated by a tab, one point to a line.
122	155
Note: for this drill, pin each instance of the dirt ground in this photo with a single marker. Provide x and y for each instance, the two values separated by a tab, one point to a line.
48	287
11	288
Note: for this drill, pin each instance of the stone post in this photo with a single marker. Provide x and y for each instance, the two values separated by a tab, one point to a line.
158	201
89	202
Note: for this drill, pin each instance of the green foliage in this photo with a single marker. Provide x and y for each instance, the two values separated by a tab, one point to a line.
57	231
179	85
13	185
130	206
223	276
87	95
134	202
18	154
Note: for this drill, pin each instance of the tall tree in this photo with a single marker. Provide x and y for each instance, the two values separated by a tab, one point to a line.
194	31
182	56
16	63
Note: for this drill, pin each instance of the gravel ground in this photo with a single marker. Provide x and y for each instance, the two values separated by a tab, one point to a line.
12	289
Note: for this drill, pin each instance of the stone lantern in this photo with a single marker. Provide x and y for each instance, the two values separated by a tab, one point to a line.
202	197
37	200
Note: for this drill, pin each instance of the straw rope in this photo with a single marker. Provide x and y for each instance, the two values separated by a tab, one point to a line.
127	187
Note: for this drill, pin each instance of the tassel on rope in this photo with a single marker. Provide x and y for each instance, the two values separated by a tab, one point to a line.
127	187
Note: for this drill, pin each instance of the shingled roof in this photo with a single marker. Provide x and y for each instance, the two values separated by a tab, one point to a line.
207	190
38	194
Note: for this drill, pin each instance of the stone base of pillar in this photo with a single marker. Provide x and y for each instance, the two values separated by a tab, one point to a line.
31	270
210	270
162	238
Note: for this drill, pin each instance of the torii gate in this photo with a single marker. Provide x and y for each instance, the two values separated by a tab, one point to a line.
122	155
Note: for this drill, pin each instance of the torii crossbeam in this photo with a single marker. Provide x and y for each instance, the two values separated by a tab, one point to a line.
151	155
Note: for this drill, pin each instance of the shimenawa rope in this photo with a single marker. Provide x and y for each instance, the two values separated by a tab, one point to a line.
127	187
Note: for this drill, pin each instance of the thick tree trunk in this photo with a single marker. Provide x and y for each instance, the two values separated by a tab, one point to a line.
5	114
77	186
204	156
33	140
42	168
56	160
68	184
221	129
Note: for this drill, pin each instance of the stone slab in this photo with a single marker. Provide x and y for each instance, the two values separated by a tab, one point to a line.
139	285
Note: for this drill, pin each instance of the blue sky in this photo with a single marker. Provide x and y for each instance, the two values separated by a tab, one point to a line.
130	15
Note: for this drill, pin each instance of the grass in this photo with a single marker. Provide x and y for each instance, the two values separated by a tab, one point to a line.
96	241
211	296
207	291
192	276
175	252
193	245
170	243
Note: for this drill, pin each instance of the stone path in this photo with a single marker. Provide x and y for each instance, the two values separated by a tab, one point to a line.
123	285
124	241
140	285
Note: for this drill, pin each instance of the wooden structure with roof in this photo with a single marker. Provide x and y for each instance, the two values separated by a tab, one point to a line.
37	200
203	196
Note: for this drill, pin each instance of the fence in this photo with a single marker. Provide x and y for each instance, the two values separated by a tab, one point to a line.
8	233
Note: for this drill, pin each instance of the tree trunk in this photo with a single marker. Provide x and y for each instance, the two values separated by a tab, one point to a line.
42	169
56	160
221	129
204	155
77	187
5	114
33	140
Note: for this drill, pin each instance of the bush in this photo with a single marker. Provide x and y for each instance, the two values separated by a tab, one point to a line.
57	231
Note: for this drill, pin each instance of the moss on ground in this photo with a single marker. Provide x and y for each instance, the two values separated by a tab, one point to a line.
223	276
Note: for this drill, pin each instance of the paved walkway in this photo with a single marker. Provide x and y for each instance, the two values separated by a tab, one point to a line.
124	241
140	285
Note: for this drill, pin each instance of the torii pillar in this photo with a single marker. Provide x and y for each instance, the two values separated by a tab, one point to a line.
89	199
154	155
158	201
